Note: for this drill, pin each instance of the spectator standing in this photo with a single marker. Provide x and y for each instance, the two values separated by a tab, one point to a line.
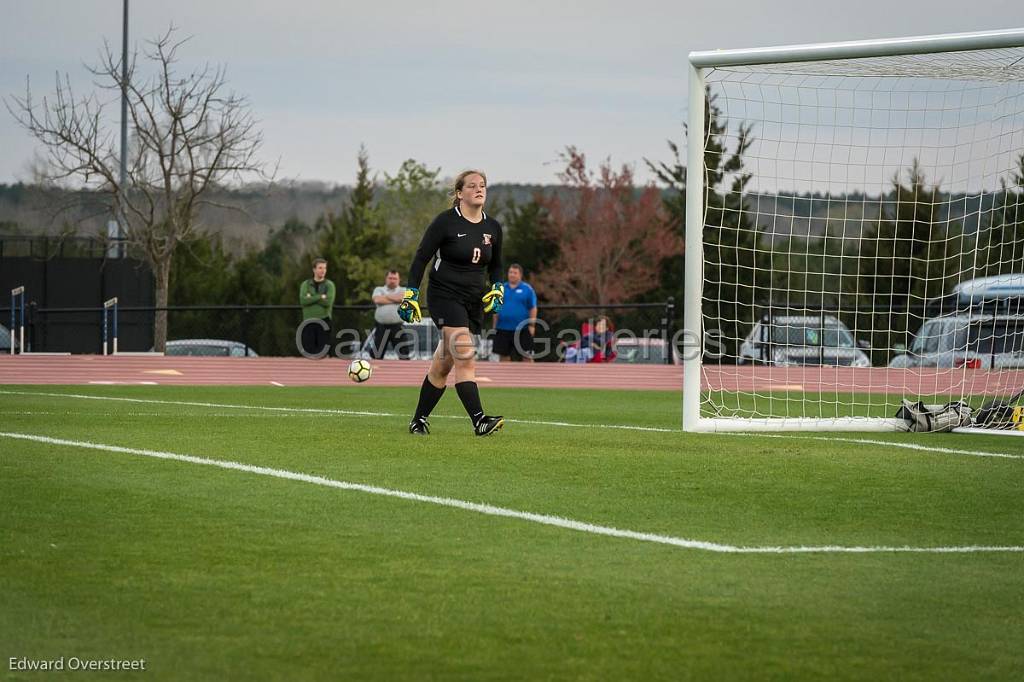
516	325
316	296
387	327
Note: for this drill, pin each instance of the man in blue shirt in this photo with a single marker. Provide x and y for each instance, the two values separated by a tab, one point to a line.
516	323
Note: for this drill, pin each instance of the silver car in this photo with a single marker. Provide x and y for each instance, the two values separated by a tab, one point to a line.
5	340
209	347
419	340
976	341
790	340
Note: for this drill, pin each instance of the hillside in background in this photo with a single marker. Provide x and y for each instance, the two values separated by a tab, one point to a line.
32	210
782	217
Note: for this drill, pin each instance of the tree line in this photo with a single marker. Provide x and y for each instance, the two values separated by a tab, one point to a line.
600	238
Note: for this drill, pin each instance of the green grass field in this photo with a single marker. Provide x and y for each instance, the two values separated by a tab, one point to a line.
212	573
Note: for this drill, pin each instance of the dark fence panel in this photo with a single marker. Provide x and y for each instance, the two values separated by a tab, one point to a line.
65	298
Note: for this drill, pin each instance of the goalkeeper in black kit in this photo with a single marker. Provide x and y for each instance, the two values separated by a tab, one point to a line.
467	245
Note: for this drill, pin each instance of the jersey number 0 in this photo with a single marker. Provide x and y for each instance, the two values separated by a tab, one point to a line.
476	255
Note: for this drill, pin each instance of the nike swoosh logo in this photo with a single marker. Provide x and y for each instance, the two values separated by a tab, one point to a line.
463	235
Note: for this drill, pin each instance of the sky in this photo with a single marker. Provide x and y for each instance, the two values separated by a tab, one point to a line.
502	86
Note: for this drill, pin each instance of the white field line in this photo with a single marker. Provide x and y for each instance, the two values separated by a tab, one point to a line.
133	413
491	510
887	443
321	410
623	427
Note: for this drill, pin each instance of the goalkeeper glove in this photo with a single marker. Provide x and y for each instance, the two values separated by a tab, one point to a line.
409	308
494	299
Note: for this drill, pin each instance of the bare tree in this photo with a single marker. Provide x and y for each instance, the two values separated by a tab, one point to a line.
187	135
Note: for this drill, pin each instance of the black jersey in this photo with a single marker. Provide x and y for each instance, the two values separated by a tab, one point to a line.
467	254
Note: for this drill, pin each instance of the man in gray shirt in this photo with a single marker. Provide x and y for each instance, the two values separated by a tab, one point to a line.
387	326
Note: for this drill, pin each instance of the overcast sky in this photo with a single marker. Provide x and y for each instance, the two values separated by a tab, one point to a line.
502	86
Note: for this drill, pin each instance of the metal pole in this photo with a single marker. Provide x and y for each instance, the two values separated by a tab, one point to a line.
951	42
17	331
107	306
693	276
119	246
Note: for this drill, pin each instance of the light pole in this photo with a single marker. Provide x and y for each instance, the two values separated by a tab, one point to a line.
115	230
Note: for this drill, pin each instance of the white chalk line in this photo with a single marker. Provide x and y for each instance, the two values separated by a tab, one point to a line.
323	410
622	427
908	446
135	413
491	510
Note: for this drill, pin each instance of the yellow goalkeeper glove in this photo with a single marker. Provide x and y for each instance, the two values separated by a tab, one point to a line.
409	308
494	299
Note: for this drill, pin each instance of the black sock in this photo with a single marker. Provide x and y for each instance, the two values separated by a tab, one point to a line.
469	394
429	395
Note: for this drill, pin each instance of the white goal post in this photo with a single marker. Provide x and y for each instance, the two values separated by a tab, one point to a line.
848	198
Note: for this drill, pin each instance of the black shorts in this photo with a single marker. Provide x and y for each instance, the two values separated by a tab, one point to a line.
516	344
448	312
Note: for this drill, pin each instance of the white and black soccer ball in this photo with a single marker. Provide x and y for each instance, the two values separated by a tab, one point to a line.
360	370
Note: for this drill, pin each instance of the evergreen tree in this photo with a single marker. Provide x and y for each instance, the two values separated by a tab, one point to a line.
1001	241
910	255
731	257
413	198
356	241
357	246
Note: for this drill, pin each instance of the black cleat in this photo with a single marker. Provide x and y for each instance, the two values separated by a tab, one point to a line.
488	425
419	426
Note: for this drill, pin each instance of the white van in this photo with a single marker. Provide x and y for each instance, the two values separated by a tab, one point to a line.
996	294
1000	289
972	340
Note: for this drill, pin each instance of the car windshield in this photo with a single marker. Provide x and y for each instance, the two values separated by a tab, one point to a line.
636	354
804	334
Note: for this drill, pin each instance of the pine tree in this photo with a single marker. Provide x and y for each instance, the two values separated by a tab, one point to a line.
731	257
1001	241
356	242
910	255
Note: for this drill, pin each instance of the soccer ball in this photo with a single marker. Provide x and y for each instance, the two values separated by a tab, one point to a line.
359	371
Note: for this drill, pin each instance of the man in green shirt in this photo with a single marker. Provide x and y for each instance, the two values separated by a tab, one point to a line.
316	296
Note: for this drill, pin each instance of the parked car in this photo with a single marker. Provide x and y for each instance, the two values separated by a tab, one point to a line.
645	351
788	340
5	340
209	347
423	337
973	340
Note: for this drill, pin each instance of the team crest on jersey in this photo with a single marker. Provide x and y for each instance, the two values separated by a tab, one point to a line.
487	239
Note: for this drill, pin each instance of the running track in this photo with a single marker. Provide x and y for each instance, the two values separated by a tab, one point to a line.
196	371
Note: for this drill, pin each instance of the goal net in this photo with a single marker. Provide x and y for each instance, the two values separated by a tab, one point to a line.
862	241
